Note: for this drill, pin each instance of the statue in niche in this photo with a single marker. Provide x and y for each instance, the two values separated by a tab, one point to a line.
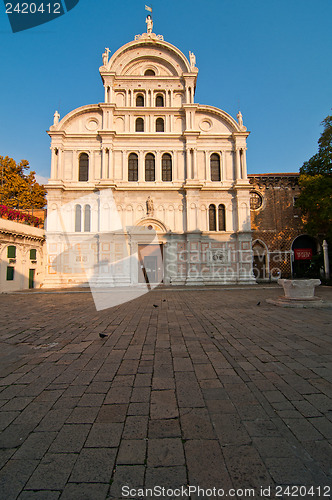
192	58
56	118
149	24
106	56
149	206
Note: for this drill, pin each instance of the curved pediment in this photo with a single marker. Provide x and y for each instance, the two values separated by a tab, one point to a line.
132	58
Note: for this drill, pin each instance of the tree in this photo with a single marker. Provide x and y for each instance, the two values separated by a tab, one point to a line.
19	189
315	182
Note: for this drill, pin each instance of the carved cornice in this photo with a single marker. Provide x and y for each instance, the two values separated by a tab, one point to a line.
270	181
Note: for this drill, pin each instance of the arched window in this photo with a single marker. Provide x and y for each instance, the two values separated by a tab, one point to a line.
149	167
78	218
139	125
212	218
159	125
140	100
221	218
83	170
215	167
166	164
149	72
87	218
133	167
160	101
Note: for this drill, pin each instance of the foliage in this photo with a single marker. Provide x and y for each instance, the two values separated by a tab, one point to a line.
315	182
16	215
19	189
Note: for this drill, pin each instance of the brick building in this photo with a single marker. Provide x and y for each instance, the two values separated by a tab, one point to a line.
279	246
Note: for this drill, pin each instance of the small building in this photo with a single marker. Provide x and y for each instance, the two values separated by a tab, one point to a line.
280	248
21	256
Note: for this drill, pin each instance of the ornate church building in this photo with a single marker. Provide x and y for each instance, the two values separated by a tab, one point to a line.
149	185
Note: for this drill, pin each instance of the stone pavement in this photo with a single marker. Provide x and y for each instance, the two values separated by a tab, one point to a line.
208	389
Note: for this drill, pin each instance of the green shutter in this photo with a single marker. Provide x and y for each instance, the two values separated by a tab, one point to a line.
10	273
11	252
33	254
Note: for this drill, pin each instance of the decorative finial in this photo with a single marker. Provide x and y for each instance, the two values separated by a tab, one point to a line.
105	56
56	118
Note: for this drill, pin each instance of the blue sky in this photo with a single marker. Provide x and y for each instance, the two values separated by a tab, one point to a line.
271	59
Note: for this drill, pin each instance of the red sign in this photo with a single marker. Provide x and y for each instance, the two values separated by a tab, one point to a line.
303	253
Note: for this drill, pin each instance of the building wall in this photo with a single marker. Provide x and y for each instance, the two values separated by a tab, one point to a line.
275	223
178	210
24	238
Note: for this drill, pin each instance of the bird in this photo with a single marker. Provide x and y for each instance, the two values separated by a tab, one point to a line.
258	303
103	335
155	305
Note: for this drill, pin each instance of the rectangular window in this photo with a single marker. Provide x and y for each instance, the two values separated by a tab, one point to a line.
10	273
11	252
33	254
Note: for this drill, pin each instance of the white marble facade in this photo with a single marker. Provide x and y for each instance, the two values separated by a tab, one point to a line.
150	157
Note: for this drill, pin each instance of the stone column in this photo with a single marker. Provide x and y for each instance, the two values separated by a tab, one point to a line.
124	166
141	176
195	166
106	97
60	166
53	164
244	164
158	166
237	164
103	164
326	260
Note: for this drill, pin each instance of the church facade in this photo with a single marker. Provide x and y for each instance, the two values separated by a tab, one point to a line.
148	186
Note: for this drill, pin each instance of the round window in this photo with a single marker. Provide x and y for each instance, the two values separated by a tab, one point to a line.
256	200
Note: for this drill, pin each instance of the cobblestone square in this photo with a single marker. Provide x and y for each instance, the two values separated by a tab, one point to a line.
208	389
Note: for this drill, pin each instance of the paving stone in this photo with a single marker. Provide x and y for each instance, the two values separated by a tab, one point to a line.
83	415
130	476
206	465
35	446
39	495
167	477
94	465
230	429
70	439
131	451
164	428
163	404
290	471
165	452
14	476
136	427
84	491
53	472
91	400
118	395
112	413
246	467
303	429
196	424
104	435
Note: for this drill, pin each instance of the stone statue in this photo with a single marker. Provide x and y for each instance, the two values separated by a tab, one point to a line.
192	58
56	118
105	56
149	206
149	24
240	119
